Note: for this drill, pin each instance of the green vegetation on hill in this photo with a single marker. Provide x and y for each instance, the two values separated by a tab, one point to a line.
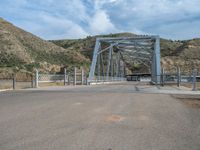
26	51
22	50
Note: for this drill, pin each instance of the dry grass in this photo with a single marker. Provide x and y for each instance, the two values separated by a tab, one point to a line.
8	84
51	84
189	85
189	100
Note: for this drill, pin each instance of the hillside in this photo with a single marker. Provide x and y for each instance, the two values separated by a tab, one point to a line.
185	54
24	50
21	50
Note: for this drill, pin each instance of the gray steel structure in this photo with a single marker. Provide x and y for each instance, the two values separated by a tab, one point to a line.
118	51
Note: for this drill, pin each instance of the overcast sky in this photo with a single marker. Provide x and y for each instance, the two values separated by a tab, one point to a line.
61	19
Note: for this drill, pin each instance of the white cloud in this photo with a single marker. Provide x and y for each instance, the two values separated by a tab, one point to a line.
146	16
59	28
78	18
100	23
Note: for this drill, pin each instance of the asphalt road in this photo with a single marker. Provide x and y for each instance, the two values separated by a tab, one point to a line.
96	119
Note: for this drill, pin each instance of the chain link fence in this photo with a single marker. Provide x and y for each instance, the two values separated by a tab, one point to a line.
75	77
17	80
36	79
181	78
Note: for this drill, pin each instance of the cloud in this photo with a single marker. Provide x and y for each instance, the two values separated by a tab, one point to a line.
147	16
78	18
100	23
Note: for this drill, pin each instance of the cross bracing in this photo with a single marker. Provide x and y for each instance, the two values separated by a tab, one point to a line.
112	55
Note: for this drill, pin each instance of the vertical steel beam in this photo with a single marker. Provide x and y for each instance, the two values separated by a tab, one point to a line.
156	61
94	60
102	66
118	64
109	62
98	66
122	69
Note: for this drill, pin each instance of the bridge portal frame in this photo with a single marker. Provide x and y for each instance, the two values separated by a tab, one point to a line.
155	65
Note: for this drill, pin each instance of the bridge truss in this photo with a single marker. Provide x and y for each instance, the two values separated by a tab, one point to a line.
111	56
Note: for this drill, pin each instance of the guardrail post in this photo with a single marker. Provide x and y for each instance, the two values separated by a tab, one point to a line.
65	73
194	87
178	76
14	81
82	76
74	75
36	78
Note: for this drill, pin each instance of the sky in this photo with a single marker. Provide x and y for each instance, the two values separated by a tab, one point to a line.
71	19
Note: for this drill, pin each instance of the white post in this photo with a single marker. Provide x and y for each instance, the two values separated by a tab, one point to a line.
65	73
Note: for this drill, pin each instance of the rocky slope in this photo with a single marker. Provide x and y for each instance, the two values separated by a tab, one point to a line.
24	50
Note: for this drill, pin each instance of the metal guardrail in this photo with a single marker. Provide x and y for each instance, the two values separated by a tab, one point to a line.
99	79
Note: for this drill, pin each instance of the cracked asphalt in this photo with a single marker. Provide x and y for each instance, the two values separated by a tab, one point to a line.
102	117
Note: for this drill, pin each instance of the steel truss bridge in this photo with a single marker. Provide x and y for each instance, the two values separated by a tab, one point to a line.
111	56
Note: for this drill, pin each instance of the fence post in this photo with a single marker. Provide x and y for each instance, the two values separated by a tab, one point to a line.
32	82
14	81
162	76
68	78
74	75
36	78
65	73
178	76
82	76
194	80
87	83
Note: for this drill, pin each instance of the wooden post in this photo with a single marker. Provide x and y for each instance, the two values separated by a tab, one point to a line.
14	81
65	78
74	76
194	80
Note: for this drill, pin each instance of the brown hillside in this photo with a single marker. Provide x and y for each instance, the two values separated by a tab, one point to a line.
23	49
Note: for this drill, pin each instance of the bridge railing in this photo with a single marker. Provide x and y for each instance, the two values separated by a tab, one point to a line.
102	79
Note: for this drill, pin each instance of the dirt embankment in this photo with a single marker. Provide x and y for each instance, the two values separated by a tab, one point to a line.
189	100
